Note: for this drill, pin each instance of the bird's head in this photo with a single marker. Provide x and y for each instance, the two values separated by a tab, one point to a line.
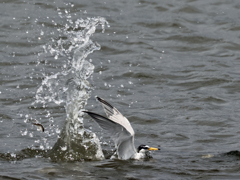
145	148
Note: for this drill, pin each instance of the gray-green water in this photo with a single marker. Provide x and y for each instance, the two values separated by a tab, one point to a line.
171	67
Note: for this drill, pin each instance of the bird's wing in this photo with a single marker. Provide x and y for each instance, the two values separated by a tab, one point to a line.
116	116
126	149
123	140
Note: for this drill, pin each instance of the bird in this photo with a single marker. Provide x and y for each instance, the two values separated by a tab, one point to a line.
121	132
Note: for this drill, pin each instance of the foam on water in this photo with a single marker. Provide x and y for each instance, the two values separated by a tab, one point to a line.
69	87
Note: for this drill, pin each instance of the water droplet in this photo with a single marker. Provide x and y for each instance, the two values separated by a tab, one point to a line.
24	133
58	131
41	147
13	155
64	148
30	135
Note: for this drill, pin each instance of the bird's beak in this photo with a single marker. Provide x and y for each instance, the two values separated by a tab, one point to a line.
153	149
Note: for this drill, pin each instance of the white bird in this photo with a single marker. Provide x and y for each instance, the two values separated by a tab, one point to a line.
121	132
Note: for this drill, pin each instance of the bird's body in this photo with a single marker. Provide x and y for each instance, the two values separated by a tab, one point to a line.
121	132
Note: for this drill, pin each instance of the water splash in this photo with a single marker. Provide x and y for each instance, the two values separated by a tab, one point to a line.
70	87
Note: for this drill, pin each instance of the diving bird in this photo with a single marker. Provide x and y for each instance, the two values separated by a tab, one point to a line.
121	132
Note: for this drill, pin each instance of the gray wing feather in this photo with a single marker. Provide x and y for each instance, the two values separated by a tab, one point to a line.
113	114
126	149
123	140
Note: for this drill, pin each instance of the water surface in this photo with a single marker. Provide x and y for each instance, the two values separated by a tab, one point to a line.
171	67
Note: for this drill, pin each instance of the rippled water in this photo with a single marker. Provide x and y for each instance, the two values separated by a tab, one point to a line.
171	67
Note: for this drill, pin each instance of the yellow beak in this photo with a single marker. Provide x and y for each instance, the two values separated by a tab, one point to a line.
153	149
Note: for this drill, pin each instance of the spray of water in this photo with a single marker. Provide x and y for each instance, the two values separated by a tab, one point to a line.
70	87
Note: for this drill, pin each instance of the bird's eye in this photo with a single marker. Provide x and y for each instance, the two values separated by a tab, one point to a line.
145	147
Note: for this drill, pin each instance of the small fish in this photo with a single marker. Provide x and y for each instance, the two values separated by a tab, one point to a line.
39	126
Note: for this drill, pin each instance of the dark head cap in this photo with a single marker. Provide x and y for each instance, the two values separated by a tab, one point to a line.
146	147
142	146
